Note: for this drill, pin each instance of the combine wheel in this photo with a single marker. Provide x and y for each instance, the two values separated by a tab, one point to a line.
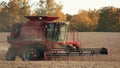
32	53
10	55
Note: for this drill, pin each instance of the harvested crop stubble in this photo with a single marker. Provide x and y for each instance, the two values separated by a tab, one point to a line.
59	64
109	40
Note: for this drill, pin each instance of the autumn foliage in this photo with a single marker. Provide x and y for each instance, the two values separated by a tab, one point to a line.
85	20
106	19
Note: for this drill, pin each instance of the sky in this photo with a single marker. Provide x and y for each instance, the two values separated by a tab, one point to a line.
73	6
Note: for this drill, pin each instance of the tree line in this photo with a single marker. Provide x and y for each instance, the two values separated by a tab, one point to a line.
106	19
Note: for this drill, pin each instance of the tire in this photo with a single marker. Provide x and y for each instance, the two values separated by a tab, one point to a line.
11	55
28	56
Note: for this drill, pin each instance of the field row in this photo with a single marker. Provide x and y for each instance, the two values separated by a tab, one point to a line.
60	64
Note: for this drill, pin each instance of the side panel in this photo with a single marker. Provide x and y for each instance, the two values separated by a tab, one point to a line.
33	31
30	32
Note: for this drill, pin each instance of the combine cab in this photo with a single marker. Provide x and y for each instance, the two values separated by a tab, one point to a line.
42	38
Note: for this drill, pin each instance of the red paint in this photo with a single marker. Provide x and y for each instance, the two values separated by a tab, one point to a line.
42	18
74	43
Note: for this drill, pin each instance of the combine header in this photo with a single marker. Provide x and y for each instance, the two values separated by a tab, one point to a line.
41	38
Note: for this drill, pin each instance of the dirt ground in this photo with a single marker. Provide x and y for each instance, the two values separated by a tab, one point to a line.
60	64
110	40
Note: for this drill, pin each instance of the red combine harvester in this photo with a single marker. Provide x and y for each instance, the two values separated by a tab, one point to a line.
41	38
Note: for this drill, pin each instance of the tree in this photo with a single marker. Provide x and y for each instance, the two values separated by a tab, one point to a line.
109	19
68	17
94	16
4	17
24	10
118	19
81	21
0	8
41	10
50	8
12	12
